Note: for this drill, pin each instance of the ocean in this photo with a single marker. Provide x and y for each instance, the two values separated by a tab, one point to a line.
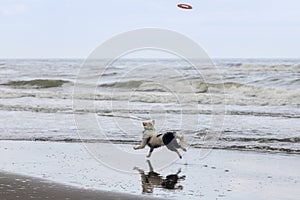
244	104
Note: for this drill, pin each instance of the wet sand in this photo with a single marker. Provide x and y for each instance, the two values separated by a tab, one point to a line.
222	174
13	186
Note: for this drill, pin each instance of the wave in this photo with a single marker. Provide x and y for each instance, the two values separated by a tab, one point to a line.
265	67
36	83
204	87
64	107
262	148
108	74
297	81
246	147
235	93
261	140
241	97
229	93
141	86
261	144
126	84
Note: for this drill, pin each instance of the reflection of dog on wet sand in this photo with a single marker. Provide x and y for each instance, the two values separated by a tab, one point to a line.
154	140
153	180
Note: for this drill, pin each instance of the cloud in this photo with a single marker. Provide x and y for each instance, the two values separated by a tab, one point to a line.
13	9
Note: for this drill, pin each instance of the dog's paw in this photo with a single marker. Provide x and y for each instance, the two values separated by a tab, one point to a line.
180	157
135	147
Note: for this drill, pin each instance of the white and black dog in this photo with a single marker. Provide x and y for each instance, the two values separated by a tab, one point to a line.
154	140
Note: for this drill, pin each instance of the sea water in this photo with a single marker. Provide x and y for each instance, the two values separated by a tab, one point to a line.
254	102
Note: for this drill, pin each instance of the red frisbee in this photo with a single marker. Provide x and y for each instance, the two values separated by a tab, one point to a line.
184	6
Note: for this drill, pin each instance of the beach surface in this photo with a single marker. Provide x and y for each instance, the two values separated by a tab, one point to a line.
222	174
15	186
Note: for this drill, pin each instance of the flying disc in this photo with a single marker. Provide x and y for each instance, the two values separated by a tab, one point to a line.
184	6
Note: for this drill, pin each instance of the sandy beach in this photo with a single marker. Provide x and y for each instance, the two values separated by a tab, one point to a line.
223	174
14	186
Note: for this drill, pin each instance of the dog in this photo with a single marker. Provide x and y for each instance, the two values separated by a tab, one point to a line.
154	140
153	180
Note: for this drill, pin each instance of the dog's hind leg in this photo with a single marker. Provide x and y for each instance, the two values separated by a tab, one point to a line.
150	152
178	153
181	147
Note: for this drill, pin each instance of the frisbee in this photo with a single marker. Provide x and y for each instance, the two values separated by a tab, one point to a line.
185	6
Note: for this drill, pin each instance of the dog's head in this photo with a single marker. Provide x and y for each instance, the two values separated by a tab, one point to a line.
149	125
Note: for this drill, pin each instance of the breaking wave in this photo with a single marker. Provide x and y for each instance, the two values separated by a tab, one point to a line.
127	84
235	94
36	83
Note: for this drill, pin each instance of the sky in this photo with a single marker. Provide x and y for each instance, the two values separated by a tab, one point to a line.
223	28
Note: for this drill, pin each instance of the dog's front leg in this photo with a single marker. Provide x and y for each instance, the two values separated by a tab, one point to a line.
150	152
142	145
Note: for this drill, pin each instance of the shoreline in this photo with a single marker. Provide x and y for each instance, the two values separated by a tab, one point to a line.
222	174
264	149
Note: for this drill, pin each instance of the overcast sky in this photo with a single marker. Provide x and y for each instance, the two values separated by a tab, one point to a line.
224	28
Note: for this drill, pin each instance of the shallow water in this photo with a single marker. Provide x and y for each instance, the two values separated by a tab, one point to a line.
261	98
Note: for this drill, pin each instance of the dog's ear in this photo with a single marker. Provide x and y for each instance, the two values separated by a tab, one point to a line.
144	123
153	122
